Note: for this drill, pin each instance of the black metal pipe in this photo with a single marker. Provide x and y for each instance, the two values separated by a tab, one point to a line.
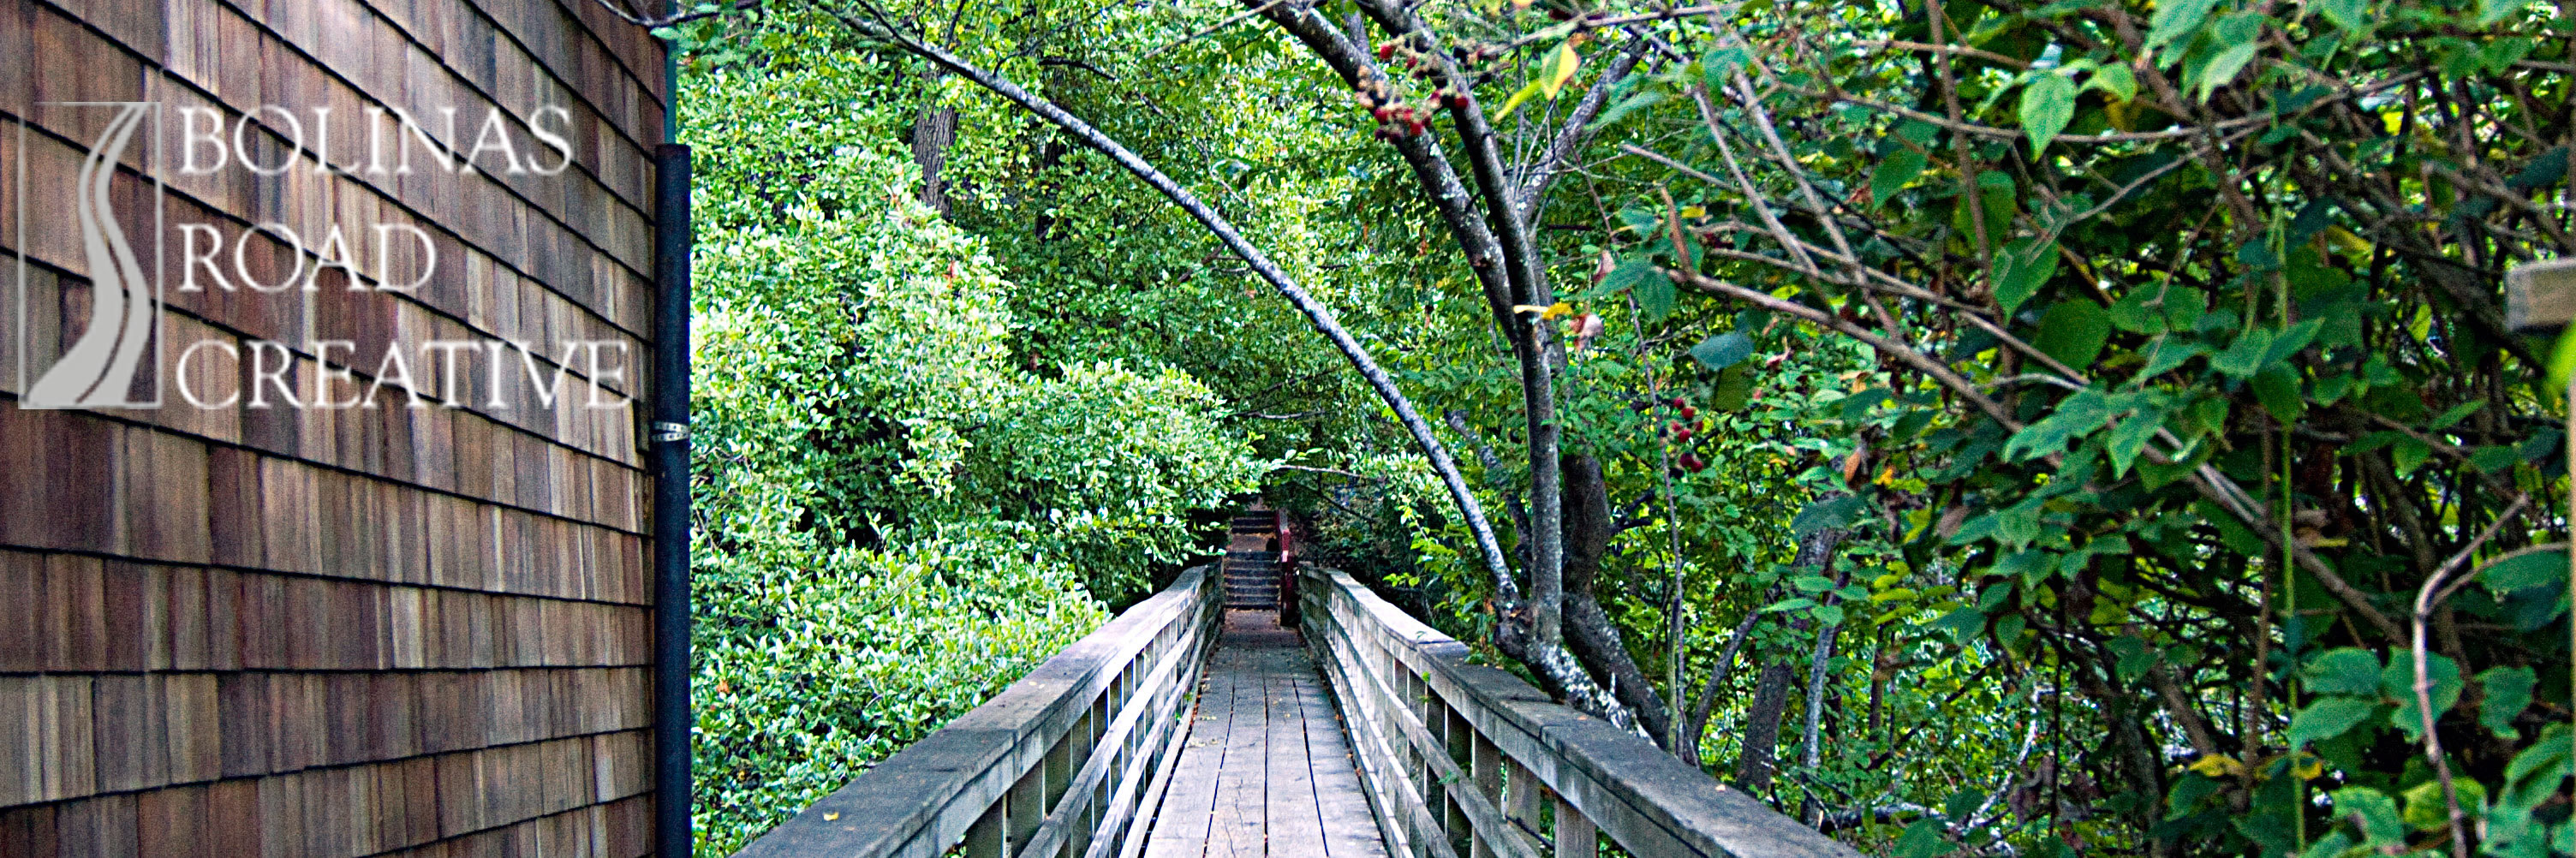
672	721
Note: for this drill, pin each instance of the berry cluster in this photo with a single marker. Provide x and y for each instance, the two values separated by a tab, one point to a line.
1398	118
1682	431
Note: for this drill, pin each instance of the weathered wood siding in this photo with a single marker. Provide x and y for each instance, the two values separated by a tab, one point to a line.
230	632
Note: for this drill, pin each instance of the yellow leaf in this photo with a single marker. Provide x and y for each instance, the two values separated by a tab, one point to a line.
2307	766
829	815
2344	238
1561	68
1548	312
1694	211
2218	765
1517	98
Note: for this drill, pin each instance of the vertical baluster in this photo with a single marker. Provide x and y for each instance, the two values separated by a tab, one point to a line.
984	838
1521	799
1460	740
1488	771
1575	836
1027	804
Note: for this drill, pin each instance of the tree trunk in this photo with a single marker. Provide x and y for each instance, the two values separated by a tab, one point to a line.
1589	633
1771	695
1762	727
932	133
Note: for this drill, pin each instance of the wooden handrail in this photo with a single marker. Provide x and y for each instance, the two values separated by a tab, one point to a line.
1460	758
1055	766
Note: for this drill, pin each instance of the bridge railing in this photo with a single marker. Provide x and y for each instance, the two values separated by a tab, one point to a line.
1053	767
1467	761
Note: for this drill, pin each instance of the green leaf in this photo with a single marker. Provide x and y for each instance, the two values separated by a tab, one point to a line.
2562	359
2552	752
1832	512
2047	104
1654	294
2493	458
2351	15
2023	267
2348	670
2173	21
2397	682
1791	605
2428	809
2409	454
2114	80
2278	389
1831	615
2238	36
1718	65
2129	438
2525	571
1892	172
2073	331
2244	357
2329	717
2168	353
2492	12
2290	340
1923	840
2508	692
1723	350
2378	812
2456	414
1639	101
1812	584
2079	414
1961	623
1734	388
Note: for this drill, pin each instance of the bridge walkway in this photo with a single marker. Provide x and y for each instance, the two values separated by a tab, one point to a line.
1266	768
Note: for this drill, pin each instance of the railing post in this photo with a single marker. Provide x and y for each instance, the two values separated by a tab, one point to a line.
1521	803
1575	835
1487	770
984	840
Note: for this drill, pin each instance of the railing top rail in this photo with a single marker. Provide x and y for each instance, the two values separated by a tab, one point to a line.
1636	793
922	799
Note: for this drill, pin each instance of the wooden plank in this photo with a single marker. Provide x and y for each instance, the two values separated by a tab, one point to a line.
1295	825
2540	297
1235	829
1180	827
1350	829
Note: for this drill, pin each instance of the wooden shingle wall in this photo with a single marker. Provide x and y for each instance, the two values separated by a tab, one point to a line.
306	632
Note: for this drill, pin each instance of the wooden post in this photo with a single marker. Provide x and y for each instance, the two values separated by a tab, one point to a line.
1575	835
2540	298
1520	799
984	839
1026	804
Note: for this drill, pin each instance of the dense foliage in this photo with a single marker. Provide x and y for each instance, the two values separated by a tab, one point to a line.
1987	426
897	512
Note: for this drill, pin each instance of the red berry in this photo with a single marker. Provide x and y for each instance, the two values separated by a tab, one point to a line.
1386	52
1458	101
1689	412
1416	127
1677	402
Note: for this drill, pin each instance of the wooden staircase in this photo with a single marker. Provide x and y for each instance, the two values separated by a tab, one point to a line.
1252	562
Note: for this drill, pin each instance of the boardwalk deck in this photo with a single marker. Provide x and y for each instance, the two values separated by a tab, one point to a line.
1266	769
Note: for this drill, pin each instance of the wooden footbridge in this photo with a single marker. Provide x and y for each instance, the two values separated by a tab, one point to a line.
1198	723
